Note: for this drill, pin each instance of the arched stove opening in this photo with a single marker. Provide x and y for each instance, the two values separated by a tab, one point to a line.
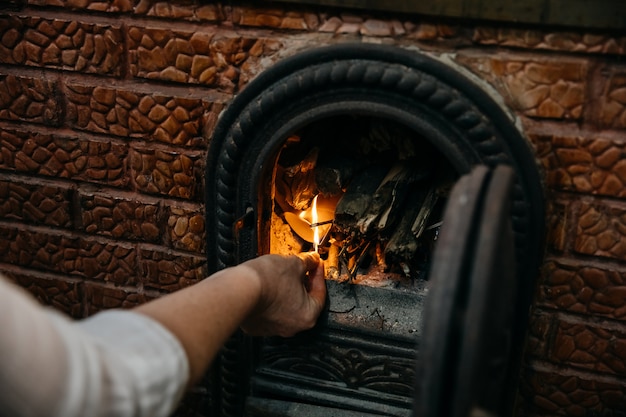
373	190
302	113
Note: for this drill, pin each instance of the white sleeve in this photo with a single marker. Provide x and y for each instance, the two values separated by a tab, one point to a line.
116	363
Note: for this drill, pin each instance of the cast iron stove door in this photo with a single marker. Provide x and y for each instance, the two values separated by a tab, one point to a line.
464	356
469	355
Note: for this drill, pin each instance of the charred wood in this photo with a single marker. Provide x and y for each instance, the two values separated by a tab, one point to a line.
404	243
388	199
357	198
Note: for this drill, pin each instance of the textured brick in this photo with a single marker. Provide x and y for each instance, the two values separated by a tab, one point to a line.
99	297
37	250
29	100
190	11
63	295
557	221
541	88
578	41
167	172
119	217
63	44
75	256
276	18
107	261
169	271
612	102
171	120
64	157
98	5
35	203
194	57
585	165
571	286
185	228
601	229
589	346
550	393
540	326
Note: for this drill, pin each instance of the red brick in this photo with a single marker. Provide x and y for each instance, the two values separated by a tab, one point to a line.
601	229
35	203
62	294
592	347
547	392
185	228
52	251
99	5
172	120
99	297
540	327
557	221
107	261
194	12
541	88
119	217
38	42
178	56
165	270
572	286
585	165
29	99
63	253
85	159
167	172
572	41
612	101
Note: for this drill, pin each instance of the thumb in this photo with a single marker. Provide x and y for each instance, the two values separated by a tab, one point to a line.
317	286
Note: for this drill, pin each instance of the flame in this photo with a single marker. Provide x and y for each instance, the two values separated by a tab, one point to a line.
314	220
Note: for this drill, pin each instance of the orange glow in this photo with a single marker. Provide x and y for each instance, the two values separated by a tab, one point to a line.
316	232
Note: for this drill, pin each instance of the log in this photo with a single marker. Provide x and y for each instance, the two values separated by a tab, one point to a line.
389	197
357	198
404	243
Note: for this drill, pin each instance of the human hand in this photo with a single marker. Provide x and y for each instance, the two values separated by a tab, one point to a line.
290	299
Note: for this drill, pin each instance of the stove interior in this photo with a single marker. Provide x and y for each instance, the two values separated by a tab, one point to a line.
366	192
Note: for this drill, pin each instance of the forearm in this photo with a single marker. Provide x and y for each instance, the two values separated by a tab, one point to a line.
205	315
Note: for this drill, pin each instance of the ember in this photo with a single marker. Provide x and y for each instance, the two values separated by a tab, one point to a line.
366	193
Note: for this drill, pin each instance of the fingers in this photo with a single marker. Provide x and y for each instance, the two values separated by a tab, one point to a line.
317	286
311	260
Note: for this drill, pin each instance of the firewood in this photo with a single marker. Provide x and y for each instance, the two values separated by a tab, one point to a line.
404	243
389	197
358	196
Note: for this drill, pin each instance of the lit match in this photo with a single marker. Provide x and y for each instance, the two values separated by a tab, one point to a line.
314	224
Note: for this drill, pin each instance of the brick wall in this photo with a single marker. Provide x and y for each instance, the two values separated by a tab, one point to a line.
107	108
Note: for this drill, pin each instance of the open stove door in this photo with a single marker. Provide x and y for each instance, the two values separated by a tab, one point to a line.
469	353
